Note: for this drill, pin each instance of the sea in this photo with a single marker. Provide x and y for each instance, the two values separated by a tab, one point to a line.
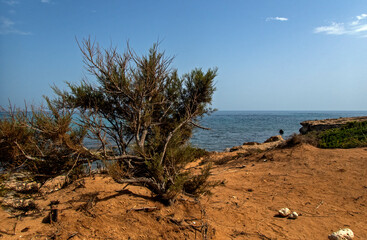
233	128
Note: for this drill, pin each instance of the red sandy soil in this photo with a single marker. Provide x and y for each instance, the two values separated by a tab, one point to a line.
327	187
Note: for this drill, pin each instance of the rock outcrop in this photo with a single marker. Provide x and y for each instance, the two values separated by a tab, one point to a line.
268	144
18	190
53	184
319	125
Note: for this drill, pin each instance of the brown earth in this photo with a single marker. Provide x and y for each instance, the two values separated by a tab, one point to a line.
327	187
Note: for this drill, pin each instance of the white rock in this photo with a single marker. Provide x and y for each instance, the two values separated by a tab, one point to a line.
284	212
293	215
53	184
19	203
342	234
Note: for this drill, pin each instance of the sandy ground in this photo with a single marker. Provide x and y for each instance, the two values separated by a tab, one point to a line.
328	188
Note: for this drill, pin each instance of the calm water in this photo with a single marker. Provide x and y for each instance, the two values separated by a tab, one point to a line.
233	128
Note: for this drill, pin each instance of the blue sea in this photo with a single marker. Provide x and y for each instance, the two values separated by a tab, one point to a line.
233	128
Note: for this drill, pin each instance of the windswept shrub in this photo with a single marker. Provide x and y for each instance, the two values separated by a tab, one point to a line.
146	111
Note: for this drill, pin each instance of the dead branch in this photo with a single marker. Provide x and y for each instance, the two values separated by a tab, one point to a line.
25	155
145	209
7	233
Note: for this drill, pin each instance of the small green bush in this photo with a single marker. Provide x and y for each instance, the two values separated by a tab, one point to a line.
353	134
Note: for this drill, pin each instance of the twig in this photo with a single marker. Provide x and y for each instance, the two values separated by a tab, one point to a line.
72	235
7	233
242	166
24	154
198	126
145	209
77	159
322	202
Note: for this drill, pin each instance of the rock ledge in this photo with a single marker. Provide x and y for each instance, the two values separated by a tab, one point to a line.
319	125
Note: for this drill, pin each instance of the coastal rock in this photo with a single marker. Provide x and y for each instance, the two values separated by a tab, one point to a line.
236	148
284	212
21	182
53	184
342	234
320	125
274	139
22	186
18	189
254	146
251	143
18	203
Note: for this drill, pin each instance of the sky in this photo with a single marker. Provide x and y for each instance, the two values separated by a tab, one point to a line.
270	54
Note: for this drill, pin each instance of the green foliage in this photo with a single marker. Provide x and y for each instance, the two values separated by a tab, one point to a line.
41	142
145	110
351	135
13	132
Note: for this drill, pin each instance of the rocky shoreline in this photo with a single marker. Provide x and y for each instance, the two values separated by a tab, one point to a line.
319	125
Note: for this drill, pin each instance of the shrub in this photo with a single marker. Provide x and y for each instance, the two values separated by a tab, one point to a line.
146	111
41	142
350	135
295	139
353	134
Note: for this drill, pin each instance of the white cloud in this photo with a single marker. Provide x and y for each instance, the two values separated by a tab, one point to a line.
333	29
362	16
359	18
356	27
10	2
7	26
282	19
361	28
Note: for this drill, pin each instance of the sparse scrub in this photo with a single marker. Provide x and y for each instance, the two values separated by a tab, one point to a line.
295	139
199	184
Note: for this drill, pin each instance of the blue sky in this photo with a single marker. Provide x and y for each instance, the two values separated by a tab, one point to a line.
270	54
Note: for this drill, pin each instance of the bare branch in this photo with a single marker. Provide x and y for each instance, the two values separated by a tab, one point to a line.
198	126
25	155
